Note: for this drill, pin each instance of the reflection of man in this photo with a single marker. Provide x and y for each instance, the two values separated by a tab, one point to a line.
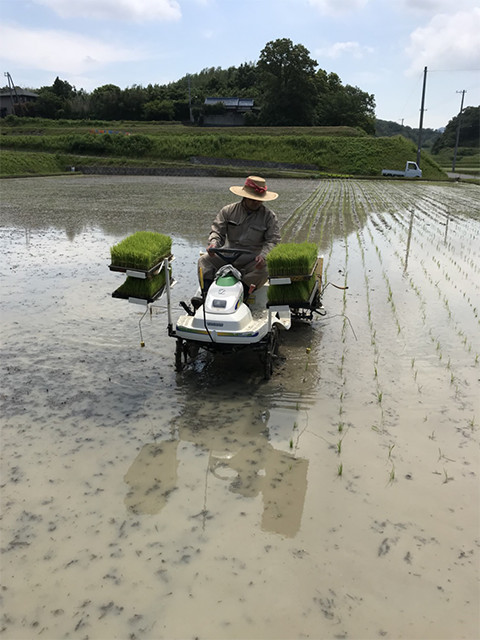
278	476
247	225
152	477
240	455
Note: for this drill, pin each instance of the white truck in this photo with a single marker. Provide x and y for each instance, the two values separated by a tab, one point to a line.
412	170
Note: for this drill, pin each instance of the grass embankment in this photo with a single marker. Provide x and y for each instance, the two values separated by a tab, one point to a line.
330	150
467	160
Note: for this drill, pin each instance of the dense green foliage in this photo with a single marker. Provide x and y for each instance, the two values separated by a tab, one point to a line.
294	293
284	83
287	74
292	259
141	250
468	131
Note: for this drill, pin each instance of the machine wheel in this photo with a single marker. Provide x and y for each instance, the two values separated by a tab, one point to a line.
184	350
179	353
270	353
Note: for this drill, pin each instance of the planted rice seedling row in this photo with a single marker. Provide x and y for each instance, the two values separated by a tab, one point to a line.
385	293
434	339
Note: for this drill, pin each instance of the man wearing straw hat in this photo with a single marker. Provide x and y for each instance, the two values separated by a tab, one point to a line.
248	225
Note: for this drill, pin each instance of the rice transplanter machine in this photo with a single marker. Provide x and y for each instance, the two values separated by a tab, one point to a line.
227	318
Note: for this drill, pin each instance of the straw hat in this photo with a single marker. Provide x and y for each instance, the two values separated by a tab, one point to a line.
254	188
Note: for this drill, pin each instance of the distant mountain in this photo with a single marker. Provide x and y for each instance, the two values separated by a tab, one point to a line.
387	129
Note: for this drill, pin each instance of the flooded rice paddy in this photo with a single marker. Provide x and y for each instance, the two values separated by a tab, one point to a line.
340	499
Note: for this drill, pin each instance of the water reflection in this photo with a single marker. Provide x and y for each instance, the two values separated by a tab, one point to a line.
409	239
238	456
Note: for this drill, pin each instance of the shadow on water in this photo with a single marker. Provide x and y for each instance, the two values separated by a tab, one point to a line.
242	430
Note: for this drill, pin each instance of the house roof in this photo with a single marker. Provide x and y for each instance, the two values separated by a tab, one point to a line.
232	103
19	92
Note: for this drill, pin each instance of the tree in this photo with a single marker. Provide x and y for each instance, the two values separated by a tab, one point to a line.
469	131
159	110
106	102
133	101
340	105
62	89
287	81
48	104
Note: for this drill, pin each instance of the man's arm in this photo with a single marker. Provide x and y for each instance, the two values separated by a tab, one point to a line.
218	231
272	234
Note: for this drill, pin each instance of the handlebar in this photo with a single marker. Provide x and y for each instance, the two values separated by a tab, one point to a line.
228	254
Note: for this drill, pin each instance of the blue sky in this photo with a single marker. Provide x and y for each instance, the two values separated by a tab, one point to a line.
380	46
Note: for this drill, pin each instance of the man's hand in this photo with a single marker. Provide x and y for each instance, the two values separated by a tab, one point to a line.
260	262
209	249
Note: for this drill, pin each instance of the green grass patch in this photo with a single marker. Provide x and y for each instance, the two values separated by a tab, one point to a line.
298	292
292	259
24	163
142	250
145	289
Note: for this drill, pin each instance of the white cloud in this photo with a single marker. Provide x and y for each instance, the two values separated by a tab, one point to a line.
135	10
440	6
59	51
447	42
334	7
351	49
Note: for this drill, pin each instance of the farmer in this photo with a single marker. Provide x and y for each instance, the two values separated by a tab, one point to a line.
248	225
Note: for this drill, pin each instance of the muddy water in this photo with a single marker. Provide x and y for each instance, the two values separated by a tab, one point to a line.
338	500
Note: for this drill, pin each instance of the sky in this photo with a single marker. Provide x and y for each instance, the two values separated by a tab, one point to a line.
379	46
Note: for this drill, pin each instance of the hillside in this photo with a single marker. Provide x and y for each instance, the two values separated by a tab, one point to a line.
170	148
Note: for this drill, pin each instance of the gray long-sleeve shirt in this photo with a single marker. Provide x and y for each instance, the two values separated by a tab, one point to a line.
235	226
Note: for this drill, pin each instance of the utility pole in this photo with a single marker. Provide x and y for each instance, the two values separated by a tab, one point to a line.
463	92
13	90
422	109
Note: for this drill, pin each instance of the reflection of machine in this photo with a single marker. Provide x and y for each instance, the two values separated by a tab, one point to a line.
280	477
250	466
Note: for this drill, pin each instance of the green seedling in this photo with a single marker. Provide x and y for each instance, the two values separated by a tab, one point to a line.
295	293
291	259
391	477
144	289
340	469
142	250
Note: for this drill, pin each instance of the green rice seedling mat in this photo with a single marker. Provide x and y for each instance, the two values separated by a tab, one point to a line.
148	289
143	251
291	259
296	294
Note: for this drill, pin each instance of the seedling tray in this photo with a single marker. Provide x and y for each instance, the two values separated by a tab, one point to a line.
139	273
297	304
288	279
139	299
292	260
140	253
